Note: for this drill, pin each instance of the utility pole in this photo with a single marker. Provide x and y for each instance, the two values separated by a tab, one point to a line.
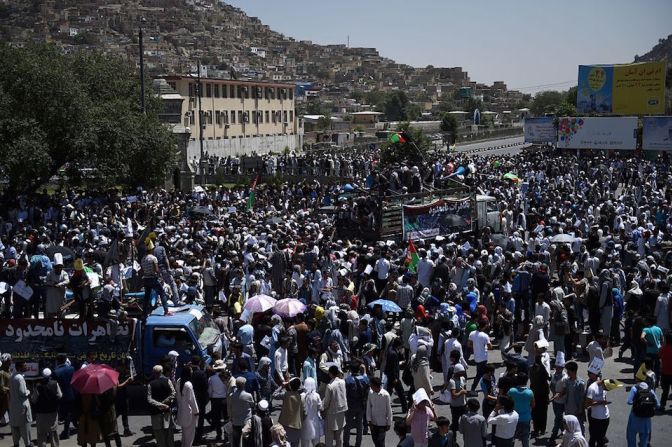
201	125
142	67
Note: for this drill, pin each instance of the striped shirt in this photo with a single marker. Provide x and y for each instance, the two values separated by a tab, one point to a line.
148	266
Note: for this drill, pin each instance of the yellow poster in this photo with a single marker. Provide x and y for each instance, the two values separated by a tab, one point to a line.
639	89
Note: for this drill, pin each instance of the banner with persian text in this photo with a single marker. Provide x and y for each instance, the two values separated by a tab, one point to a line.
439	218
598	133
626	89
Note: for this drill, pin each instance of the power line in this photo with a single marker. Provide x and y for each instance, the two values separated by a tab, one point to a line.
555	84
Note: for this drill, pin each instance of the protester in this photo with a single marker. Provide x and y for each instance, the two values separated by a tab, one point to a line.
187	407
161	395
473	426
20	413
44	401
288	243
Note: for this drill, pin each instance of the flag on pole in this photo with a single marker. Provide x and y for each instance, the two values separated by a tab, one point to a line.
412	257
251	198
397	138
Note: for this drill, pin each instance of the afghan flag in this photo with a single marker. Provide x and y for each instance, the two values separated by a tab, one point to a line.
252	197
412	257
398	138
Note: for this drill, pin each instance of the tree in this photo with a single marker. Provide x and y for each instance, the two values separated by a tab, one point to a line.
570	96
73	112
449	124
413	151
472	104
546	102
323	123
376	98
396	106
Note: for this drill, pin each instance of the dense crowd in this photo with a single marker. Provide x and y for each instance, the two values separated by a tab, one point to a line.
581	270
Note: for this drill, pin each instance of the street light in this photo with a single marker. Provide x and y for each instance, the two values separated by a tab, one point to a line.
142	67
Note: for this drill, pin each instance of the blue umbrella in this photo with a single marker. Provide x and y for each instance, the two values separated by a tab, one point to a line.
348	187
388	306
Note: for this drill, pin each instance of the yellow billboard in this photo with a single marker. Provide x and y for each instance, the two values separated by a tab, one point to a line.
628	89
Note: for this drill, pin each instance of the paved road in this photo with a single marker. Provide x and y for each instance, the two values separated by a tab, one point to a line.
493	147
619	411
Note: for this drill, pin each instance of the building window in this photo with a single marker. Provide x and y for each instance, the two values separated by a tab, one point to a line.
216	87
225	91
240	116
284	116
291	116
232	91
218	117
233	117
267	117
225	116
192	118
291	93
209	117
192	90
208	90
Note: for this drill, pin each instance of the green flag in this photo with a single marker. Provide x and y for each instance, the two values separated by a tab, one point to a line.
252	197
412	257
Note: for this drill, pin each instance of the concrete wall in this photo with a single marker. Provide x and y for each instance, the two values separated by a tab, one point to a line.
240	146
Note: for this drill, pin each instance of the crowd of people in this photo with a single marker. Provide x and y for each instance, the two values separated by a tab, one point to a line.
580	274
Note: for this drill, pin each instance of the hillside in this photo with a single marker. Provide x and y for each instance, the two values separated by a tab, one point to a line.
662	50
178	33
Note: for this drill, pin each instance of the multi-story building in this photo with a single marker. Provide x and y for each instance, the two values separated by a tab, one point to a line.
238	116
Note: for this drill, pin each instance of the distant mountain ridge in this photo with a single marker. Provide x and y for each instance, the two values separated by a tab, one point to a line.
662	50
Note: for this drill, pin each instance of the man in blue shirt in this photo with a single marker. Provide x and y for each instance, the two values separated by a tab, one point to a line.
63	375
523	400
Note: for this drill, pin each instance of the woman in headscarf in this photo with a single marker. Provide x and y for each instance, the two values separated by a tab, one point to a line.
573	436
420	362
311	431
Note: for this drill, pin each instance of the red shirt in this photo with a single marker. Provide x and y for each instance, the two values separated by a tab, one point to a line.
665	355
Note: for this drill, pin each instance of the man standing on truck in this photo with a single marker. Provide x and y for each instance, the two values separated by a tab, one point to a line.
150	280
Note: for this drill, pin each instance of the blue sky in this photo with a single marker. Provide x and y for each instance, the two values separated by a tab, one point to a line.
526	43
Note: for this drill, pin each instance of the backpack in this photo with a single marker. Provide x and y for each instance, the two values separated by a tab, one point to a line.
644	405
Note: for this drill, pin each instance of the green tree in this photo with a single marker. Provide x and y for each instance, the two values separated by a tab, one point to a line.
413	151
449	124
570	96
396	106
72	112
472	104
546	102
376	98
446	104
324	123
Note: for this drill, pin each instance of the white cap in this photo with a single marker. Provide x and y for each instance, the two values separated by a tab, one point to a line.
173	354
560	359
46	372
458	368
58	259
263	405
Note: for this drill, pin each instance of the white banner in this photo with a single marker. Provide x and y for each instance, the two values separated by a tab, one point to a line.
598	133
540	130
657	133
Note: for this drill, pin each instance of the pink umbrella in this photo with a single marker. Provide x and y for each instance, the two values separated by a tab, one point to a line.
94	379
260	303
289	307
